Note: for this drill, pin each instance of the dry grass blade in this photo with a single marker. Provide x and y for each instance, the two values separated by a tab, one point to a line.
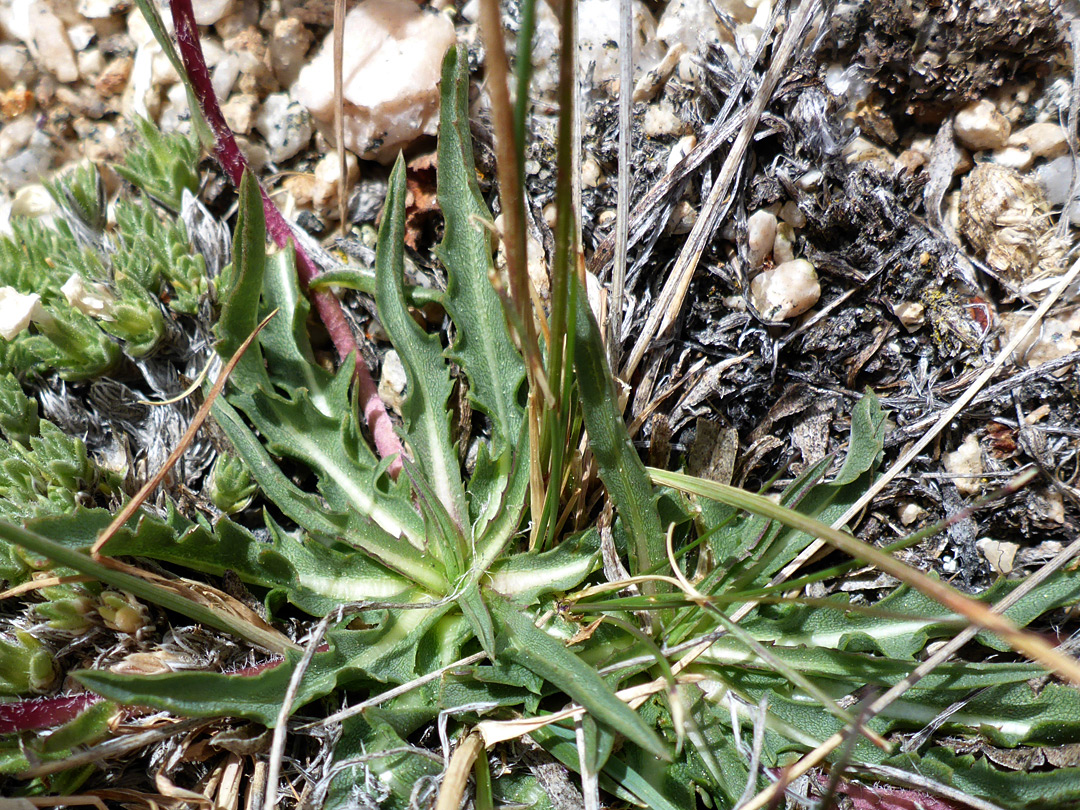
921	444
457	772
669	303
622	209
132	506
281	730
818	755
339	114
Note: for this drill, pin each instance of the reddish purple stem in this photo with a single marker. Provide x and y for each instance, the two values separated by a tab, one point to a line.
232	160
43	712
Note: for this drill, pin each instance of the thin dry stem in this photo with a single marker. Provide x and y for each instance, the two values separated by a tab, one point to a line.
457	772
133	506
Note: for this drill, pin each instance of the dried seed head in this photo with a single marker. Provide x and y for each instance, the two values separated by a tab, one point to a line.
1005	217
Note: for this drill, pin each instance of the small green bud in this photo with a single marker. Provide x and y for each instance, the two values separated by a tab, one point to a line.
122	612
231	484
18	413
25	665
70	615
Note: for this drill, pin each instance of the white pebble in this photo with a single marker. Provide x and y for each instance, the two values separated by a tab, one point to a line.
966	461
285	124
225	74
17	310
792	214
911	314
910	512
15	135
80	36
90	62
787	290
590	173
690	22
760	236
1000	555
980	126
1045	140
783	250
392	69
289	44
598	29
50	39
392	381
681	149
1014	157
208	12
660	120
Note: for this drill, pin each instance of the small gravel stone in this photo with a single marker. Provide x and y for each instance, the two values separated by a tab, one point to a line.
591	176
1000	555
1055	179
661	121
208	12
784	244
760	236
787	290
598	26
289	44
16	66
966	461
690	22
1014	157
100	9
681	149
113	80
225	75
392	68
50	40
392	381
15	135
239	112
286	126
324	195
980	126
16	102
1045	140
91	63
792	214
911	314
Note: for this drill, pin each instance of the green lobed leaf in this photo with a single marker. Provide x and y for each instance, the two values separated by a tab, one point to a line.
425	413
483	347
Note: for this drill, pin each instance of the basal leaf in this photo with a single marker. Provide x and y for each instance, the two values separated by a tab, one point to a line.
242	287
427	419
522	642
483	347
385	653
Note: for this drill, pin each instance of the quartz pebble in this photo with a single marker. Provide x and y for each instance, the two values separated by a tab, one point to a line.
792	214
760	236
980	126
113	80
1014	157
289	44
208	12
1043	140
286	126
324	194
966	461
591	176
598	28
911	314
787	290
1000	555
784	244
239	112
681	149
391	70
392	381
49	38
691	23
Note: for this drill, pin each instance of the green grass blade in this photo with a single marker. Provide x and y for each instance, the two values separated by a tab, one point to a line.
620	466
424	410
523	643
